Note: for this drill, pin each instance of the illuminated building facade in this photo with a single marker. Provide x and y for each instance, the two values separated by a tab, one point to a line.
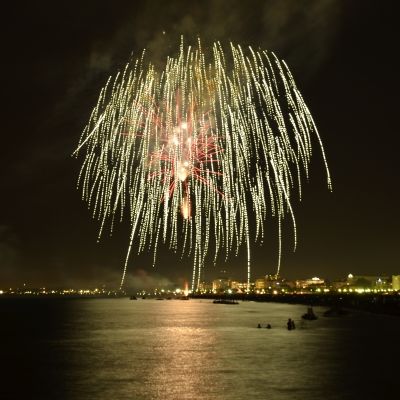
220	285
309	283
260	284
205	287
396	282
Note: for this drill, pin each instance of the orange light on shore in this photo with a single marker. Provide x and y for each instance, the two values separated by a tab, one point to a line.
186	290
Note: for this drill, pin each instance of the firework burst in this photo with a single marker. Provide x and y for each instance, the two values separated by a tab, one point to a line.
199	154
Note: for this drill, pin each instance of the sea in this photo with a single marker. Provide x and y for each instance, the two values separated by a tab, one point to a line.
84	349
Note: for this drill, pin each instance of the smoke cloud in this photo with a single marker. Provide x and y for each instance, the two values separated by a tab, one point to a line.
301	32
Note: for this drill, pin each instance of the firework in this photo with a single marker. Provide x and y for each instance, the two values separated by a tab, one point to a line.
197	155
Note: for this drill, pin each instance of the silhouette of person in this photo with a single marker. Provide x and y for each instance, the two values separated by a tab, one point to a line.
268	326
258	326
290	324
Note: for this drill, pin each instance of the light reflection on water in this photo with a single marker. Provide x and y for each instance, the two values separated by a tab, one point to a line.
148	349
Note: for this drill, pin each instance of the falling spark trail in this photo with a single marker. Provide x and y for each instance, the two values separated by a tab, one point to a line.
193	155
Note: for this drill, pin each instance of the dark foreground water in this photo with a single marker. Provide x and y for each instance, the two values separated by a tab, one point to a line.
149	349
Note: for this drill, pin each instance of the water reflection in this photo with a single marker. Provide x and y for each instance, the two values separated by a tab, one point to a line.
184	355
106	349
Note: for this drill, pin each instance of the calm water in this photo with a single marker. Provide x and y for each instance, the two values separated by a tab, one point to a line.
149	349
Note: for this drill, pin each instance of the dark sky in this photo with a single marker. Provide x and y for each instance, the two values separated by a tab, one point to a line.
56	57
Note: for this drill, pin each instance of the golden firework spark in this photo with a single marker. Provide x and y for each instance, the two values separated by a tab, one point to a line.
198	154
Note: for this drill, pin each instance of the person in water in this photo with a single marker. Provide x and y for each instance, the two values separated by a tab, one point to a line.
258	326
290	324
268	326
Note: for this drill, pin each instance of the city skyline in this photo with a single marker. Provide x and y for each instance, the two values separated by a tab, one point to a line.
268	285
58	60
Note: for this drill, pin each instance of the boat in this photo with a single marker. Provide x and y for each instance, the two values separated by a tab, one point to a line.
309	315
225	301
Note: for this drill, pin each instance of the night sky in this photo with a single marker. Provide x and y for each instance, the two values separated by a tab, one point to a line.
56	57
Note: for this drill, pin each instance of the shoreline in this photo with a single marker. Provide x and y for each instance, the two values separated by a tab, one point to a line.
388	304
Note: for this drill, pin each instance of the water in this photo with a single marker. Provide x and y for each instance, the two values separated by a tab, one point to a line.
149	349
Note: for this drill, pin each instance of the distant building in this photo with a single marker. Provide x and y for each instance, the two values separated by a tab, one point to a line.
368	281
290	285
309	283
273	281
260	284
241	287
236	286
396	282
220	285
205	287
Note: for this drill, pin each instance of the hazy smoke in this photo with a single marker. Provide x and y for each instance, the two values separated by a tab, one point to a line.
299	31
142	280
